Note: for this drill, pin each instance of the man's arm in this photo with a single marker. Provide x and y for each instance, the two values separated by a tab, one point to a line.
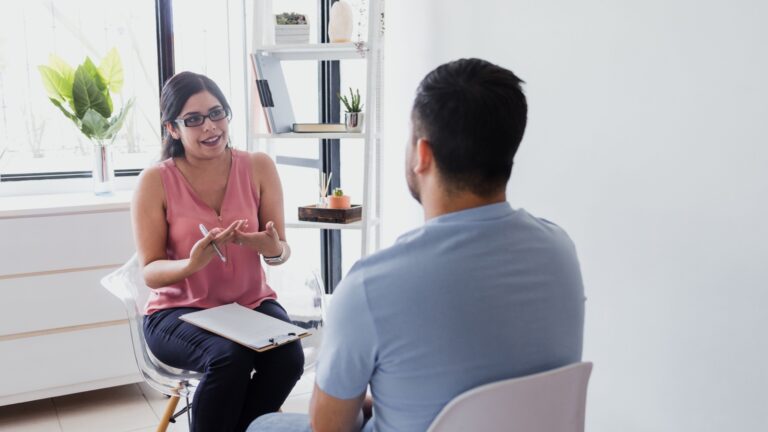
330	414
347	358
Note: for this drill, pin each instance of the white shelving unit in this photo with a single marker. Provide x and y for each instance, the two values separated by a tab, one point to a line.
370	52
324	135
326	51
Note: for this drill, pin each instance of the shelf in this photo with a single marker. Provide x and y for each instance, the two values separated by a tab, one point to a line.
322	135
327	51
323	225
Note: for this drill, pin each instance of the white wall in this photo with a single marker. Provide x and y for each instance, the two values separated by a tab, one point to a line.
647	143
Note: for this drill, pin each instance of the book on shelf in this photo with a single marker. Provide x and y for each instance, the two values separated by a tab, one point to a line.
263	98
258	113
273	93
319	127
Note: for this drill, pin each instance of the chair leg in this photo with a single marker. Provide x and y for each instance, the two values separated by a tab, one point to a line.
169	408
179	413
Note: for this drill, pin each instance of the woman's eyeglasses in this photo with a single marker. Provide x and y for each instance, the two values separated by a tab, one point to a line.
215	114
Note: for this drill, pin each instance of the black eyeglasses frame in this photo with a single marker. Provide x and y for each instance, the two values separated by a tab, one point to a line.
192	121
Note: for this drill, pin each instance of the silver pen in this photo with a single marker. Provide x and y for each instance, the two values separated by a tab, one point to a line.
216	248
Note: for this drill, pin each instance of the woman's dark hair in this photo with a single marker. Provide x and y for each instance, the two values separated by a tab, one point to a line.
176	91
473	113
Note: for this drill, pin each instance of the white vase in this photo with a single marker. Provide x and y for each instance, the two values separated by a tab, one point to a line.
340	22
103	170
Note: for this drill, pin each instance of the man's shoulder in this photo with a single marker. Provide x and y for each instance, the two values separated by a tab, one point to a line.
385	265
541	227
404	242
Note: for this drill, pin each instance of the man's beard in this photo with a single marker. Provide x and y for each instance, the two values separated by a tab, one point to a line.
410	178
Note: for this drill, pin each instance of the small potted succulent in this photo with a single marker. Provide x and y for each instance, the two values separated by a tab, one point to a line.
353	116
291	28
338	200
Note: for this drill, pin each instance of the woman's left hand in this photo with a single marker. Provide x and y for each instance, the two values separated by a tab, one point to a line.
266	242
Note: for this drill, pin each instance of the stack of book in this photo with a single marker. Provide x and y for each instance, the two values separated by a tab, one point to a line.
292	34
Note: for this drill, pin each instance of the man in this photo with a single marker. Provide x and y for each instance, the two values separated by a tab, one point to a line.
480	293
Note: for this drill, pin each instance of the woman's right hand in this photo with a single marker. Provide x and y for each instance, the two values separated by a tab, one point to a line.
202	251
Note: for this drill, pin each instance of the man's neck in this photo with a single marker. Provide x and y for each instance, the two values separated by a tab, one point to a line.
444	203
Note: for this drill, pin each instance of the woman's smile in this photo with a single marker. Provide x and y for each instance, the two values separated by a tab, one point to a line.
212	141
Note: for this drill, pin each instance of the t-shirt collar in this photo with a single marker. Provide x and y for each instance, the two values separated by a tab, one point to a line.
486	212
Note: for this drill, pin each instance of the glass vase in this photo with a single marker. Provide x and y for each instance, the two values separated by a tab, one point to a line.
103	170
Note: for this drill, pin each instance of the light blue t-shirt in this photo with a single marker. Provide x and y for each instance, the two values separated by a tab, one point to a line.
471	297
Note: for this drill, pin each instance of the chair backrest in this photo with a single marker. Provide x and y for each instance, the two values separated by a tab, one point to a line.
302	293
552	401
127	284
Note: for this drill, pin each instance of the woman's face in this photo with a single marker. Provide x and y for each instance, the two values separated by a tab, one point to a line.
202	126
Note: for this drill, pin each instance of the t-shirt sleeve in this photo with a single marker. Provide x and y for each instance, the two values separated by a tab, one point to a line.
348	352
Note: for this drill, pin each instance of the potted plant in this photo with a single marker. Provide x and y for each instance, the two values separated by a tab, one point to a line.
291	28
84	95
353	116
338	200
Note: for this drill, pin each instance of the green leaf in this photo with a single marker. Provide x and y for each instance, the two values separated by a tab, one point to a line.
117	121
111	69
54	83
63	68
94	73
66	112
108	98
94	125
87	94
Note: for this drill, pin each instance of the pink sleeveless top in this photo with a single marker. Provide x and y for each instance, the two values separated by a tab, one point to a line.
240	279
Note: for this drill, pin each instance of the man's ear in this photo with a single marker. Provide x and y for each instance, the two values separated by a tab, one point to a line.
169	126
424	159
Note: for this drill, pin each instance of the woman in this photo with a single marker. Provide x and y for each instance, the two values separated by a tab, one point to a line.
238	197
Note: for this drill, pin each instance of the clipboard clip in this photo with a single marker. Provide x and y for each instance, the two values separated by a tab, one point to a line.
279	340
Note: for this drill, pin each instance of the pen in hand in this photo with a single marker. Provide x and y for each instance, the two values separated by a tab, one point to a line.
216	248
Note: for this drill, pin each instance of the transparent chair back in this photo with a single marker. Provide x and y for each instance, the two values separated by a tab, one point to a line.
127	284
301	292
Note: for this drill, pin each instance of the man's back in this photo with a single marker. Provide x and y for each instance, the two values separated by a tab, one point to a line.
471	297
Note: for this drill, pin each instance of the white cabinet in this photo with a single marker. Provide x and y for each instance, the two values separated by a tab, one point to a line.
60	331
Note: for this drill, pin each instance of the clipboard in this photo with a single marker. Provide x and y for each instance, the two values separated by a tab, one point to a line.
252	329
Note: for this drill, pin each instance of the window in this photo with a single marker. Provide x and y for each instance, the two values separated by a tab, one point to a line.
36	140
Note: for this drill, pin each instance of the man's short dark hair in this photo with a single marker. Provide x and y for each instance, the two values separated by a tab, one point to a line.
473	113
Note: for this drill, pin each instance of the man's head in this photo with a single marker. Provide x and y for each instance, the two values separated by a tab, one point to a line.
471	114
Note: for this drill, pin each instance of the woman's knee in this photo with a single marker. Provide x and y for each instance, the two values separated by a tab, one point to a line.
229	354
294	360
286	361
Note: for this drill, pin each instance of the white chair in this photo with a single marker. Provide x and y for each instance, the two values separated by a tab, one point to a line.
299	292
552	401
